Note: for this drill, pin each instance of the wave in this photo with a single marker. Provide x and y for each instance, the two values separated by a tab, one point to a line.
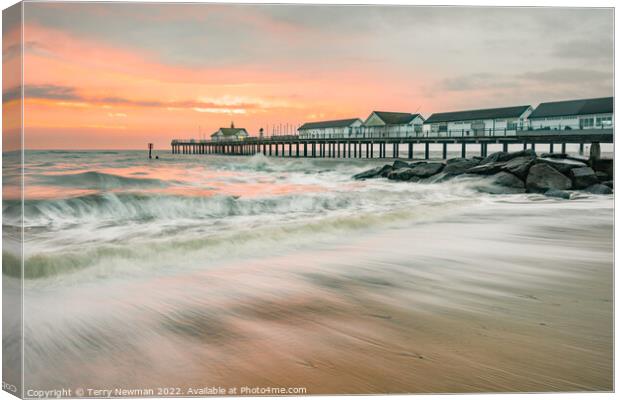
144	207
114	259
98	180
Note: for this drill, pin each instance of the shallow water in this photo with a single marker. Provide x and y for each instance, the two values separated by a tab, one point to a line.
193	271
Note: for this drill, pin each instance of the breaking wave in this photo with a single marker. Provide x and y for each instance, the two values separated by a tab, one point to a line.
98	180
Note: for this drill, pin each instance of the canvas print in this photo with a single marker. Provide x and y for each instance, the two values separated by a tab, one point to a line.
298	199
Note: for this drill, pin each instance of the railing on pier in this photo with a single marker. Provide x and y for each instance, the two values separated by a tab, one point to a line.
457	134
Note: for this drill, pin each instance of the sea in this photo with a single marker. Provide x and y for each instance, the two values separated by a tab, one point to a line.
192	272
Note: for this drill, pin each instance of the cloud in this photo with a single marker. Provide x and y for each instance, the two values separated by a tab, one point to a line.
70	98
570	76
581	49
56	92
476	81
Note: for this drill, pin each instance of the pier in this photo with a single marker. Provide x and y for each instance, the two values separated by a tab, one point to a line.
392	147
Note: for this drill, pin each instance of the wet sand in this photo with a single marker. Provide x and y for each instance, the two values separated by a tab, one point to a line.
511	320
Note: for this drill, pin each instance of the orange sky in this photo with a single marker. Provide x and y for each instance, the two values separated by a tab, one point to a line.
114	76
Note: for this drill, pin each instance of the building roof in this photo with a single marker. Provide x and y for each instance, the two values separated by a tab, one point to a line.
488	113
339	123
395	118
230	131
603	105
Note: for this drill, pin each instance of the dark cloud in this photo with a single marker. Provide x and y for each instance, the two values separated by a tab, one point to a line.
67	93
570	76
476	81
584	49
50	92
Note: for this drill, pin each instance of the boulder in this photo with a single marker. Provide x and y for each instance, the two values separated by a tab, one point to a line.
508	180
599	189
565	157
562	194
583	177
543	177
400	164
609	184
455	160
386	170
562	165
519	166
401	174
605	165
602	176
494	157
371	173
426	170
459	166
487	169
522	153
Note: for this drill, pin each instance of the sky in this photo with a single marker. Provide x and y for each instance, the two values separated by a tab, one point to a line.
119	75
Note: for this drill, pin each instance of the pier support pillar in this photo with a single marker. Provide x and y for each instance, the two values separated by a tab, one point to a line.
580	149
427	151
563	148
410	151
463	150
444	151
550	147
505	147
595	151
534	146
524	146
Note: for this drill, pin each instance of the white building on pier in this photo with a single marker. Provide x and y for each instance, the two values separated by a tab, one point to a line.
341	128
574	114
227	134
384	124
498	121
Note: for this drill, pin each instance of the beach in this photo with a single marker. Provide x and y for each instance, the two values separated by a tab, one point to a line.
195	272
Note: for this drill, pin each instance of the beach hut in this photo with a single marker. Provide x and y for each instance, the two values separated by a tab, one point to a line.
574	114
341	128
385	124
482	122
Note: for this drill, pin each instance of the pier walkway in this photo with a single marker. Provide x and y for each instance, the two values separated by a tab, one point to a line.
390	147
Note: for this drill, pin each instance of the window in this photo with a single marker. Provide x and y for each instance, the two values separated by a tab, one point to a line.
443	127
587	122
603	121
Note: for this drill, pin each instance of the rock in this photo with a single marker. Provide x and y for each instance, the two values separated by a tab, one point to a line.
386	170
605	165
565	156
487	169
400	164
426	170
543	177
459	166
522	153
508	181
602	176
609	184
454	160
501	183
599	189
519	166
494	157
562	165
371	173
401	174
562	194
583	177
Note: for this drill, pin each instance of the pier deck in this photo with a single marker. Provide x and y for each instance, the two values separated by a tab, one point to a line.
389	147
